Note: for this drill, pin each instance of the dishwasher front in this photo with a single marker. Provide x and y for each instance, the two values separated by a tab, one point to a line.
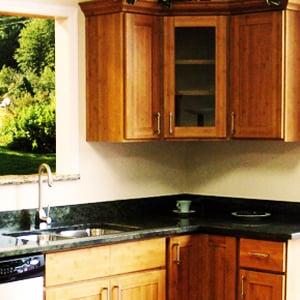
22	278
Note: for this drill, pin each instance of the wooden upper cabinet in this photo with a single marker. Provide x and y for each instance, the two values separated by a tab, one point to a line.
257	75
143	83
123	77
195	76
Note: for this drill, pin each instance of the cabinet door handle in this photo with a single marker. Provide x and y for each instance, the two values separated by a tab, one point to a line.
157	115
107	293
273	2
232	123
259	255
171	118
119	291
177	254
243	294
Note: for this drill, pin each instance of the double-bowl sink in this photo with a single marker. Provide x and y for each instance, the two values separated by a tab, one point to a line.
70	232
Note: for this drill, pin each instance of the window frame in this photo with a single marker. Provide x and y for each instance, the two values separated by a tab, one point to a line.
66	80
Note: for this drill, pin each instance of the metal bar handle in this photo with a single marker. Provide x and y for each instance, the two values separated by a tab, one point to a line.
171	119
157	115
107	293
273	2
259	255
177	256
243	294
119	291
232	123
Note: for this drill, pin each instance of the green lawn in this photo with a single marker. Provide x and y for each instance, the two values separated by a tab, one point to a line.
19	163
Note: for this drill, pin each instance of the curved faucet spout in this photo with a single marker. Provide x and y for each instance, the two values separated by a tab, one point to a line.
44	216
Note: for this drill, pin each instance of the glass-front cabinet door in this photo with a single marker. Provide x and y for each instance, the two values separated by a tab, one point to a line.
195	77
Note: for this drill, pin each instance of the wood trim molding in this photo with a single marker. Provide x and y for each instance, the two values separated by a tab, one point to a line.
183	7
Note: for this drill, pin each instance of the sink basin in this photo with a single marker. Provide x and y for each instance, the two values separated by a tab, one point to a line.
77	231
86	232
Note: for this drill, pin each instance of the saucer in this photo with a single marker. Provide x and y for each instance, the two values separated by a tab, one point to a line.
183	213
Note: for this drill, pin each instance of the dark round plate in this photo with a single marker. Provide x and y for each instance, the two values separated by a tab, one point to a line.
251	215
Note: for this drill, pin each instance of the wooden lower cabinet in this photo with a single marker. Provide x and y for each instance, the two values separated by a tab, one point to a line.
97	289
141	286
202	267
260	286
147	285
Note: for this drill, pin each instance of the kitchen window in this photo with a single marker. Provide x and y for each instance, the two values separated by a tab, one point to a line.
66	82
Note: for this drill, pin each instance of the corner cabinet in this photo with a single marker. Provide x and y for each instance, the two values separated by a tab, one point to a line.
123	77
202	266
195	77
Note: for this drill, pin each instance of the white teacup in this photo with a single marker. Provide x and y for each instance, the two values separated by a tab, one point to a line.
183	206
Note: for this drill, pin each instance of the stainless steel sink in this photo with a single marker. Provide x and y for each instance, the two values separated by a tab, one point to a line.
77	231
87	232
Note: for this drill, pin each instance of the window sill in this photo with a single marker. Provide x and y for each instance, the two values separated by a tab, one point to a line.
21	179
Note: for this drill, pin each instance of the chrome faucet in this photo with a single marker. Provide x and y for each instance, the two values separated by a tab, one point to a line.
42	215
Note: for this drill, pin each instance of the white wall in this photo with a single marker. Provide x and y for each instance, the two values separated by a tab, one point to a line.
247	169
108	171
254	169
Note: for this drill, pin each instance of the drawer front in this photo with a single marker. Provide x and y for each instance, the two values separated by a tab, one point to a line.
262	255
76	265
102	261
138	256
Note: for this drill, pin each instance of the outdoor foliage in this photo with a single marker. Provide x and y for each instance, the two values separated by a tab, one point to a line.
28	122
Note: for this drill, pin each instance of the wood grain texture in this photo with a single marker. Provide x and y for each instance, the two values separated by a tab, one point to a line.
183	267
260	286
137	256
148	285
105	84
143	76
178	8
87	290
221	25
76	265
202	267
257	75
218	279
263	255
292	67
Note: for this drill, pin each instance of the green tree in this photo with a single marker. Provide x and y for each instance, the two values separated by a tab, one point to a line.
28	124
10	28
36	51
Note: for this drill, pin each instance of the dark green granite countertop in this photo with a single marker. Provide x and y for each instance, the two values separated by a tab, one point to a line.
154	217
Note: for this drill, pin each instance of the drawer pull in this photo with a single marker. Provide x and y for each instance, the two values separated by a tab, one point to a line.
259	255
171	120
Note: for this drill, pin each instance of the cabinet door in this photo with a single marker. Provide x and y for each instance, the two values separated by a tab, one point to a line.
148	285
257	75
260	286
218	271
142	54
184	267
195	77
87	290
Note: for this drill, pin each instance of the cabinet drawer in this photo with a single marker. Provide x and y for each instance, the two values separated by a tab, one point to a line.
102	261
138	256
76	265
262	255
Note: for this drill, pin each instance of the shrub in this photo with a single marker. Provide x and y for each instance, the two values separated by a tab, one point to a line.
32	128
